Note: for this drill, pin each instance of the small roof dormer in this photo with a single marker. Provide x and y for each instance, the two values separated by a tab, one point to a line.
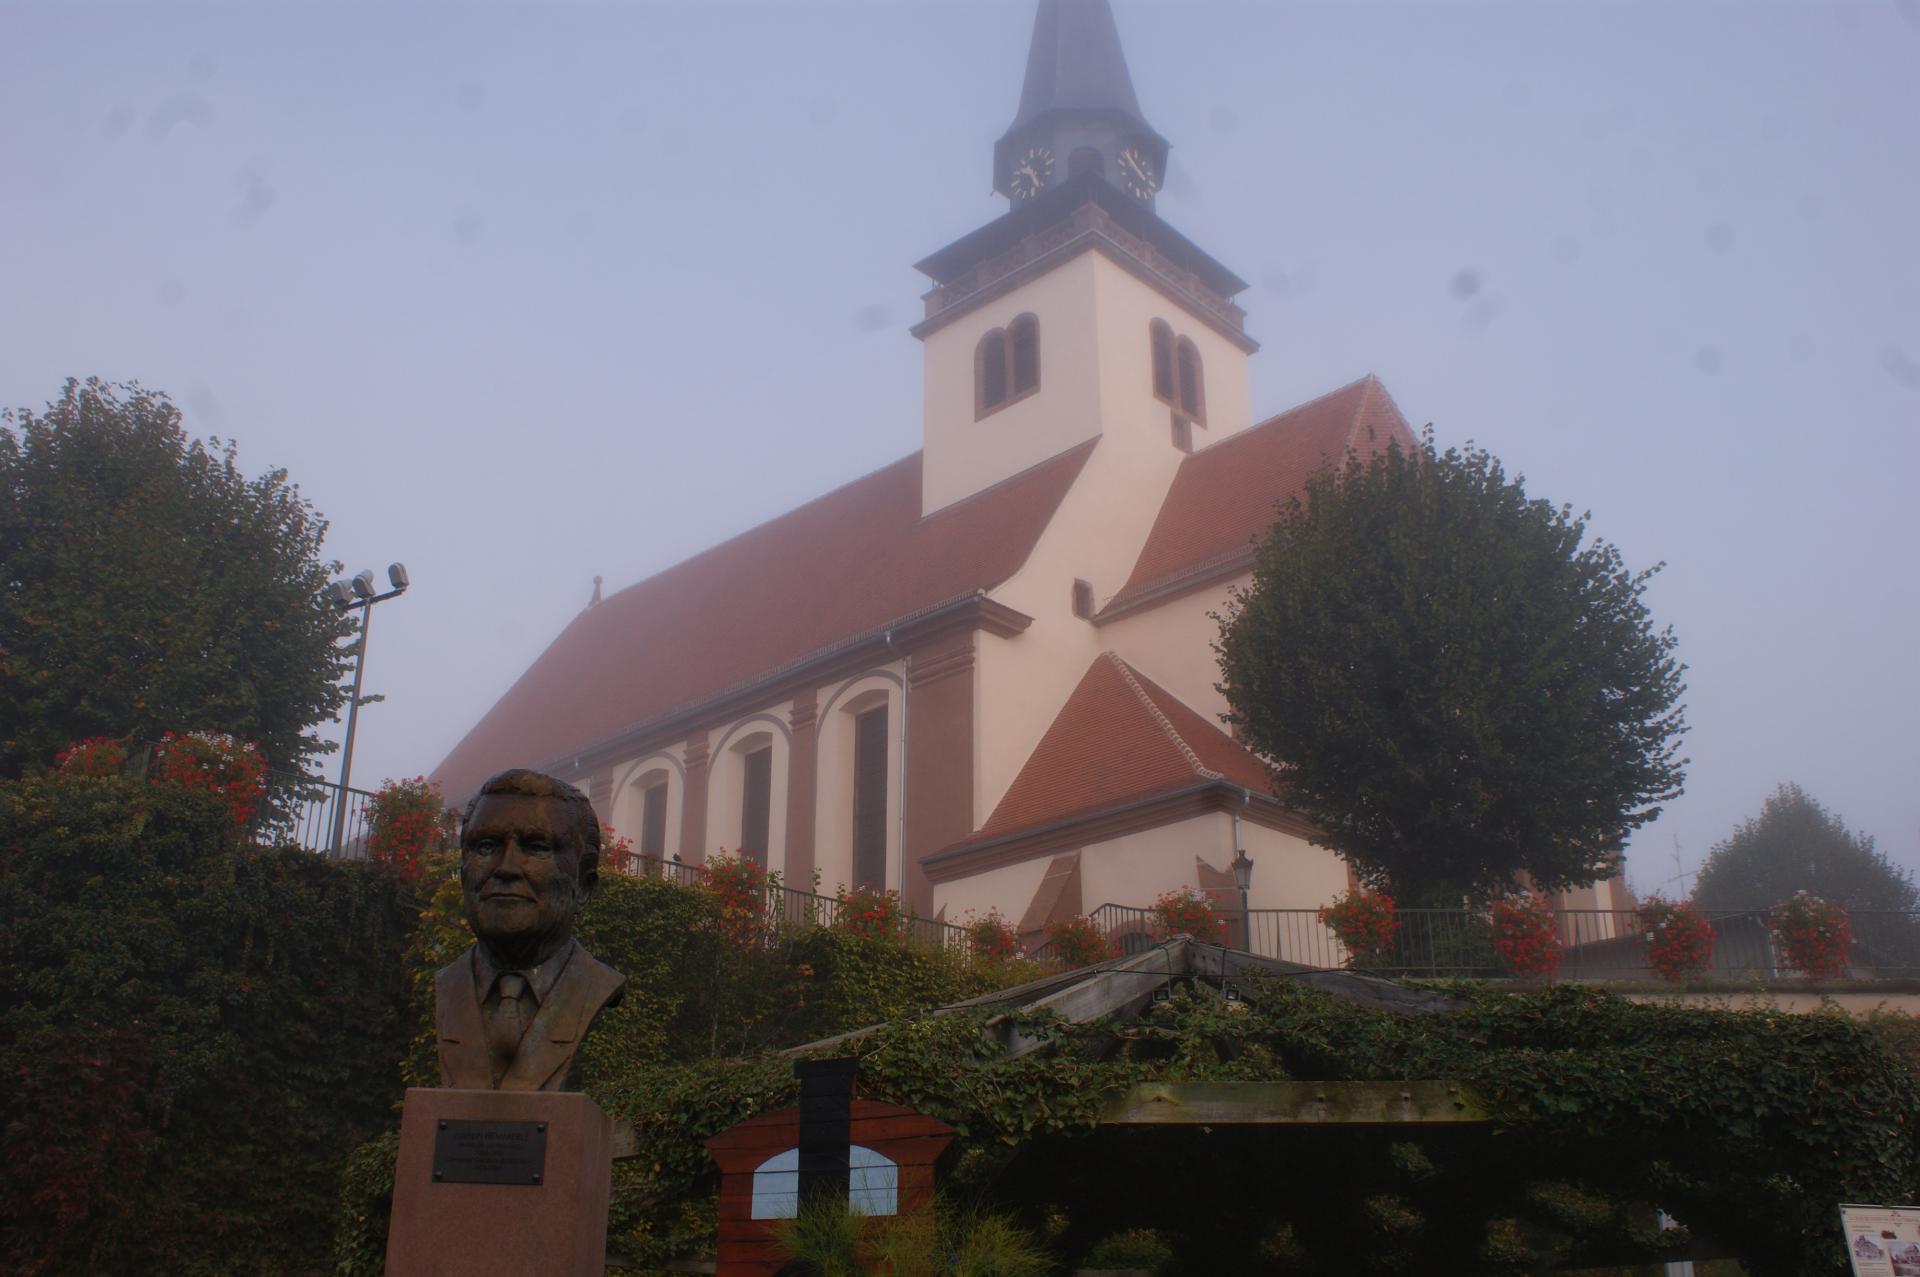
1078	114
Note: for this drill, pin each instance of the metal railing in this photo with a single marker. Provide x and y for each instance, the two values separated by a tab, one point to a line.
298	810
1596	944
785	910
294	810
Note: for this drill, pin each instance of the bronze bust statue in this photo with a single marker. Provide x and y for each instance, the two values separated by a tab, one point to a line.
511	1011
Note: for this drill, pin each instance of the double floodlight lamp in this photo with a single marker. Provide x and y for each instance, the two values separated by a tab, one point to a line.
347	594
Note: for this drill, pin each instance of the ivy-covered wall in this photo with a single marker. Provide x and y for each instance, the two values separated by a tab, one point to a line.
1748	1126
194	1036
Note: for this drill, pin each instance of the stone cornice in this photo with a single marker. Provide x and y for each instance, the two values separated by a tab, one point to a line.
1088	228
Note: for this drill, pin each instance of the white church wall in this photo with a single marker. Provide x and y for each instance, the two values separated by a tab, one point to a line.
1008	888
964	455
1162	642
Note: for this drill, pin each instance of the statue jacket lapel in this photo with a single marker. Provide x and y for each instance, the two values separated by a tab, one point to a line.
463	1035
546	1050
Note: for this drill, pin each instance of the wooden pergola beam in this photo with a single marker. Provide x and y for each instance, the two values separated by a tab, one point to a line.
1294	1104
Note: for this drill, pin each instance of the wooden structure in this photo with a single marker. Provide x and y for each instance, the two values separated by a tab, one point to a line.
911	1141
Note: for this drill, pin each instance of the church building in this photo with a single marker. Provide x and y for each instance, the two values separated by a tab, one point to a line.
983	675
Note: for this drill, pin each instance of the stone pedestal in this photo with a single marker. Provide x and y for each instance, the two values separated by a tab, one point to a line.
500	1182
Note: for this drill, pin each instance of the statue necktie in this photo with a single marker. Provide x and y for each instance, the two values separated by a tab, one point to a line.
507	1024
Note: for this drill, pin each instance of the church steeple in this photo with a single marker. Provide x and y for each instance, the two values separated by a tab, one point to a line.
1078	113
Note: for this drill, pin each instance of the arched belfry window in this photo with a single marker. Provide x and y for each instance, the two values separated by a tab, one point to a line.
1193	397
1178	379
1006	365
1162	339
1023	334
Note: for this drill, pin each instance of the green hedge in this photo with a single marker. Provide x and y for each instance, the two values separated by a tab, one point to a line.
195	1035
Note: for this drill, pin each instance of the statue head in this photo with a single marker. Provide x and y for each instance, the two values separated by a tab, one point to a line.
529	859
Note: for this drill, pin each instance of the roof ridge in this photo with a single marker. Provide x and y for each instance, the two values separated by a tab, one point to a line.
1257	426
788	513
1160	716
1371	383
1017	475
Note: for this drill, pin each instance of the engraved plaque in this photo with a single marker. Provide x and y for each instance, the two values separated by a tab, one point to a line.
489	1152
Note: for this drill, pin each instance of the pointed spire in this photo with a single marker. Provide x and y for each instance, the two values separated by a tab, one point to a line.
1078	113
1076	64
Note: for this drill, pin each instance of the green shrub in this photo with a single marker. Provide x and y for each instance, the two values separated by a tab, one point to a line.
1134	1248
194	1037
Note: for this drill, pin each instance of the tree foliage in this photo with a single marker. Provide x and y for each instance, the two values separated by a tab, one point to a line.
193	1036
1795	844
1458	685
146	584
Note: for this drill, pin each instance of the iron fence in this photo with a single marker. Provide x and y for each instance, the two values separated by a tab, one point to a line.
1596	944
785	910
299	810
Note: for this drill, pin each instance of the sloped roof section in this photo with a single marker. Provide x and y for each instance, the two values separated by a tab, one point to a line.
843	565
1224	498
1075	63
1118	738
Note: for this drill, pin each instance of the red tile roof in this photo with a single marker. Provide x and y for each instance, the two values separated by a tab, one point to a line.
1118	738
843	565
1223	498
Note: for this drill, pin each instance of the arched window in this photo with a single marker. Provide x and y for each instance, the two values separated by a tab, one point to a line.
1193	398
873	1185
1006	365
1178	379
1162	339
1024	336
990	372
1085	159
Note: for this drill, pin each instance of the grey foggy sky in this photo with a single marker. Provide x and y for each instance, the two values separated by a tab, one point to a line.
524	293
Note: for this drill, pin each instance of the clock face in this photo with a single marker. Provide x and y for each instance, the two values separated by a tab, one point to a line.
1031	173
1136	172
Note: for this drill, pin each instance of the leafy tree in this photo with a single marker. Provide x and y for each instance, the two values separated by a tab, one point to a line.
146	584
1795	844
1457	686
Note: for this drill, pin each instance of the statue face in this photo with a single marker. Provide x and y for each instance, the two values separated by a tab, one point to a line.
520	869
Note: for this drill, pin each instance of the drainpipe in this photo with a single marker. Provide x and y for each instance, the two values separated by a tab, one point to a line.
906	703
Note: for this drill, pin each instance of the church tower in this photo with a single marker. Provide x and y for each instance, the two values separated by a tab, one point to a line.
1079	313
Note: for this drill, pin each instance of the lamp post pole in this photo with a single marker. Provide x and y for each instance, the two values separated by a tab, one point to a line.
1243	878
344	595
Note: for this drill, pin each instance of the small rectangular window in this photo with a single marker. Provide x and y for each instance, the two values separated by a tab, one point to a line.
756	802
1083	599
870	798
1182	433
653	821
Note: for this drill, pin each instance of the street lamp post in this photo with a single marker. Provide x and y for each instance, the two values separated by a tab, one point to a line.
1243	879
346	595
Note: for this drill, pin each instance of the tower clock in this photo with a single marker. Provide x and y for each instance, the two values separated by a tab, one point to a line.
1137	173
1032	173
